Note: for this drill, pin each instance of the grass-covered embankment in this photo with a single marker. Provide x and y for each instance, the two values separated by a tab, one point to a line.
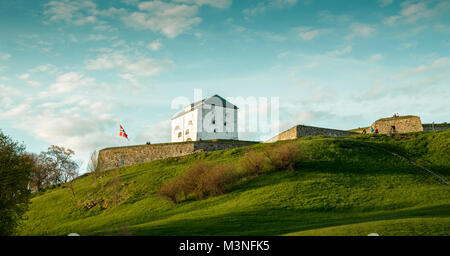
343	186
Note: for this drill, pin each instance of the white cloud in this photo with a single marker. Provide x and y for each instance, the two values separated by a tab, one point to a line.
307	33
361	30
49	68
155	133
436	64
155	45
34	83
24	76
327	16
77	12
376	57
137	65
340	52
250	34
413	11
213	3
168	18
130	78
384	3
74	12
99	37
76	122
15	111
8	90
262	7
79	131
4	56
7	109
442	28
408	45
68	82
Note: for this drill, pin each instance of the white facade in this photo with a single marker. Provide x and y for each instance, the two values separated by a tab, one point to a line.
209	119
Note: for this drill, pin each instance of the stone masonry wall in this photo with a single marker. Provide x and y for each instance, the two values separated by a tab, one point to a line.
303	131
435	128
402	124
286	135
109	158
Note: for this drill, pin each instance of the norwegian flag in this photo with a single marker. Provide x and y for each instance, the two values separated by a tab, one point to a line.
122	133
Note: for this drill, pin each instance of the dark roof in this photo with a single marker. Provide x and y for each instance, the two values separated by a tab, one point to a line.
215	99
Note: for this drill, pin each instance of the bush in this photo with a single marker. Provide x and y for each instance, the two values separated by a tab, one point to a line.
284	156
171	189
217	181
200	181
253	163
15	174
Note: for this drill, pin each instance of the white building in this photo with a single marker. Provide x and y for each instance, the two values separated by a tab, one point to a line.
209	119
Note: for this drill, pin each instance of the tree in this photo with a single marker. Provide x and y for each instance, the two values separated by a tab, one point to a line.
62	168
15	175
72	175
93	166
39	175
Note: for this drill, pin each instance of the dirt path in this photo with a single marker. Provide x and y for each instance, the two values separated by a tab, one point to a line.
409	160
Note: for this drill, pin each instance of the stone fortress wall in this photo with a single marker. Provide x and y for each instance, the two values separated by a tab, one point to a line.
110	158
303	131
402	124
436	127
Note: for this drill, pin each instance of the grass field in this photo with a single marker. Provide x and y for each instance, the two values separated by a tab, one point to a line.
344	186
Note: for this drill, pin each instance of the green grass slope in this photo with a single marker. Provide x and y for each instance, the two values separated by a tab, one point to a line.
344	186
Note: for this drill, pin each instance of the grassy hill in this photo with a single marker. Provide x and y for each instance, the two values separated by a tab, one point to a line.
343	186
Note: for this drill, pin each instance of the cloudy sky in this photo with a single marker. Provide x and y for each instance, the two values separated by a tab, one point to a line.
72	71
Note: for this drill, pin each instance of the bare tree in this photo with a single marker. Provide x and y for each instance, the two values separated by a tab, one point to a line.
93	166
63	167
72	174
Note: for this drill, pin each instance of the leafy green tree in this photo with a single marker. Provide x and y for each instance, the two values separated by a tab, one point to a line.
15	174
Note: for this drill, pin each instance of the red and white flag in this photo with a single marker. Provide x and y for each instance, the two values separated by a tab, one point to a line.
122	133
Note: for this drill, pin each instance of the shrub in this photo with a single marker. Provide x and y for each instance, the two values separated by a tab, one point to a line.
171	189
284	156
253	163
217	181
200	181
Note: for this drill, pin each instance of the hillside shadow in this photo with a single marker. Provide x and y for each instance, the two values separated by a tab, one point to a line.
276	222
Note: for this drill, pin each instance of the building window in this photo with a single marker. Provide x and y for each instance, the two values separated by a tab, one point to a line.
180	134
225	123
213	121
190	122
187	132
177	127
215	130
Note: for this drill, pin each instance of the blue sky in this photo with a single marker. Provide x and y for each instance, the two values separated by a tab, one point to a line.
72	71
